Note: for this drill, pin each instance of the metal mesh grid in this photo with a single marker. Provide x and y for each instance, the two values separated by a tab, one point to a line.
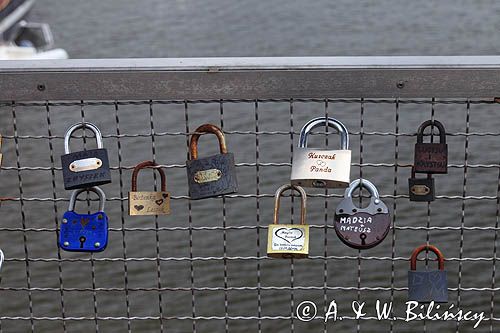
204	268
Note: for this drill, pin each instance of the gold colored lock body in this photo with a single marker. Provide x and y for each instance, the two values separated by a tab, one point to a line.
148	203
288	240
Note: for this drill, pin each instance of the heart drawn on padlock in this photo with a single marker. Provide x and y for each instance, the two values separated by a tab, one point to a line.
164	195
289	234
159	202
139	207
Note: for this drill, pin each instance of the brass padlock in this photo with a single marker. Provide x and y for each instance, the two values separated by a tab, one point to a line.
321	168
288	240
431	157
213	175
427	286
149	203
421	189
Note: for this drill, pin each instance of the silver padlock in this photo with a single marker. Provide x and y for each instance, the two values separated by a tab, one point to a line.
1	263
320	168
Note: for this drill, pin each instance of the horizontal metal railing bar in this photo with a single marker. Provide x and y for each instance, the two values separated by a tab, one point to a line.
250	78
236	196
256	318
254	227
230	258
246	288
330	100
260	164
253	133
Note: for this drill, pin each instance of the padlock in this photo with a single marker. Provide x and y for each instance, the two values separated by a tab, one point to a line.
1	154
214	175
149	203
421	189
321	168
431	157
85	168
427	286
84	232
288	240
362	228
1	259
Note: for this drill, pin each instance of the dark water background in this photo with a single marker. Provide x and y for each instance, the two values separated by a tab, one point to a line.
123	28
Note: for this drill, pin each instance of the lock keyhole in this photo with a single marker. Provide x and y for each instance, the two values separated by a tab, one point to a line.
363	238
82	241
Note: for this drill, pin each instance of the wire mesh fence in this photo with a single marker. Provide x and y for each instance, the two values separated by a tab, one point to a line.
204	268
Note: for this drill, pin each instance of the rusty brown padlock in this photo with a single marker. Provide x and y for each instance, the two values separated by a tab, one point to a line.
149	203
431	157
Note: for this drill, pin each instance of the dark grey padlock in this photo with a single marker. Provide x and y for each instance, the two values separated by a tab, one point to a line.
214	175
431	157
427	286
86	168
362	228
421	189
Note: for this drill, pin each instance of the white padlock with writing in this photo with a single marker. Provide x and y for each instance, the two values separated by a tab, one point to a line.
320	168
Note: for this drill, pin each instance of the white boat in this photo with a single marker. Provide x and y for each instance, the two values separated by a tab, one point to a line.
21	39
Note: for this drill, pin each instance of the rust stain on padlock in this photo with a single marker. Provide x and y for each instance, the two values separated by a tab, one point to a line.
206	176
420	190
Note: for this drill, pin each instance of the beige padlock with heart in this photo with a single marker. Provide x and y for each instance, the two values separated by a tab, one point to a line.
149	203
288	240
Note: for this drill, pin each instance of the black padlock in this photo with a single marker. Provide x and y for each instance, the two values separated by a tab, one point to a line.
431	157
427	286
362	228
214	175
86	168
421	189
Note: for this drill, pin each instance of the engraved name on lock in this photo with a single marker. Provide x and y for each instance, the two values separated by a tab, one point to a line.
206	176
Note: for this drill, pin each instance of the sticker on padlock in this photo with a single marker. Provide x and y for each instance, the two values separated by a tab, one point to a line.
427	286
85	168
288	240
421	189
149	203
213	175
431	157
362	228
321	168
84	232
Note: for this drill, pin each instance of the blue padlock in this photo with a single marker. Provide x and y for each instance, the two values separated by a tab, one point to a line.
427	286
84	232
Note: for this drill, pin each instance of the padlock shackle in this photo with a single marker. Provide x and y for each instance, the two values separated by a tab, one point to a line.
413	174
82	125
421	248
427	123
150	165
277	199
364	183
331	122
96	189
203	129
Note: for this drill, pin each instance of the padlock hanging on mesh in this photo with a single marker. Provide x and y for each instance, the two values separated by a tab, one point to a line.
213	175
320	168
149	203
431	157
421	189
84	232
362	228
288	240
86	168
427	286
